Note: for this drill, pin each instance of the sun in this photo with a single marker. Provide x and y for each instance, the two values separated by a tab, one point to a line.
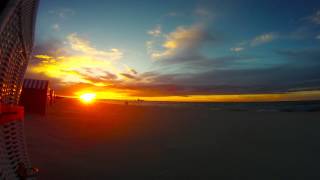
88	97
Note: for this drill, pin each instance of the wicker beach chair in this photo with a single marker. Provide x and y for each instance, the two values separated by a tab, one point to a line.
17	19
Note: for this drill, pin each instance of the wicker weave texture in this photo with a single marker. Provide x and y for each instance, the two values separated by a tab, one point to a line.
17	22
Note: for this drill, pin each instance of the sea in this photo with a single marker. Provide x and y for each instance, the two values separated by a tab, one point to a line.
282	106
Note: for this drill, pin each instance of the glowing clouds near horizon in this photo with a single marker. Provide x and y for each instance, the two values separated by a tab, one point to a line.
81	63
76	66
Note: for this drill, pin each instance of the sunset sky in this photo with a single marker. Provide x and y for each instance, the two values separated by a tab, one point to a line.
217	50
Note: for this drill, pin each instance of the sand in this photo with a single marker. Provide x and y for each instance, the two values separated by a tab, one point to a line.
107	141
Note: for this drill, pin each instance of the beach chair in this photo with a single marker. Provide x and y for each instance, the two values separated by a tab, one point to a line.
35	96
17	20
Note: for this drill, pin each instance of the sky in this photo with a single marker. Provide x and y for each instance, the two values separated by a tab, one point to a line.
179	50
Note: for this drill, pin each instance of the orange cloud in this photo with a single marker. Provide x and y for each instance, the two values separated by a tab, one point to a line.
71	69
81	64
83	68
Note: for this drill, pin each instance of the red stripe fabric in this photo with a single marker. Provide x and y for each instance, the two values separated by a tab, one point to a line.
10	113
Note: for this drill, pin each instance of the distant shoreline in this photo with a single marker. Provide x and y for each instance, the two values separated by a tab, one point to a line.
134	100
280	106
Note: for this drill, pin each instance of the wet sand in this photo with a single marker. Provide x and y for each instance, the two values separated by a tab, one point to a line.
107	141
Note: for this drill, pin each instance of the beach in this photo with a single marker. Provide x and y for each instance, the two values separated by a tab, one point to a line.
115	141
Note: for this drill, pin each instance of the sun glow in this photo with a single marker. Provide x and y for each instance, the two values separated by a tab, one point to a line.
88	97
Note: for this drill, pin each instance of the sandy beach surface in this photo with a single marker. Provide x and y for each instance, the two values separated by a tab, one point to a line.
108	141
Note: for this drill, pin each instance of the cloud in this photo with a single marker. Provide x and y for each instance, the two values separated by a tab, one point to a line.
181	48
56	27
130	73
203	12
256	41
315	18
307	56
81	45
156	31
183	42
130	70
302	32
300	72
69	69
44	57
78	63
129	76
221	62
308	27
50	47
318	37
239	81
150	46
174	14
237	49
62	12
81	72
263	38
222	82
75	61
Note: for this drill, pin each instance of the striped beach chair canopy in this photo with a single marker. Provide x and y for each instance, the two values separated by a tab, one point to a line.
35	84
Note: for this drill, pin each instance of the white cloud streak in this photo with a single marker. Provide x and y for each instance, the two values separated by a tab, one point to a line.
263	39
182	40
56	27
156	31
316	18
81	45
236	49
